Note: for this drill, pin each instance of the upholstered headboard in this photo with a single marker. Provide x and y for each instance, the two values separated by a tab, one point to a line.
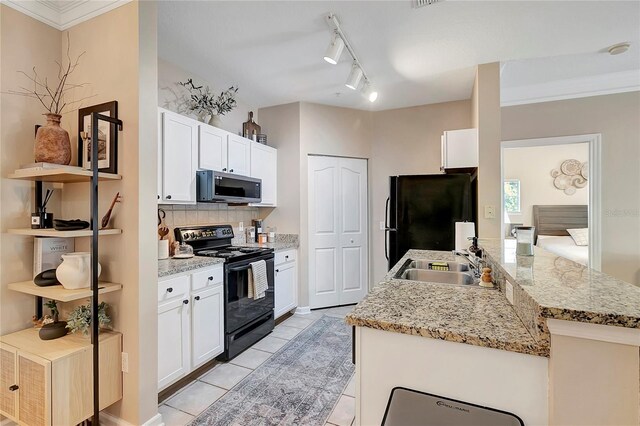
555	220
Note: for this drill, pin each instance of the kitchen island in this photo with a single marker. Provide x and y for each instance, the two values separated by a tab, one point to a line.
472	344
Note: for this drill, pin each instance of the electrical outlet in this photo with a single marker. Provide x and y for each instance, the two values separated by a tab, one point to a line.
509	291
382	226
489	212
241	227
125	362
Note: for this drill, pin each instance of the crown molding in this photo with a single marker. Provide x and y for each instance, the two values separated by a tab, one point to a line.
582	87
63	15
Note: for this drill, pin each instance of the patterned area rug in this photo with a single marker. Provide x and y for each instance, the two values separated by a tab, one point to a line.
298	385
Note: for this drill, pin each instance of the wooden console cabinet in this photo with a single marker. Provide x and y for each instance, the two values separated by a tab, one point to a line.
45	383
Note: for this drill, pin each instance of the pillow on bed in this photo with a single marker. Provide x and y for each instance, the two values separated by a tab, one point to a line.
580	236
545	241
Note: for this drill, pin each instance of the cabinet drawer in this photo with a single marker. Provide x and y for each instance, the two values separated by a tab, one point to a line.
173	288
285	256
206	278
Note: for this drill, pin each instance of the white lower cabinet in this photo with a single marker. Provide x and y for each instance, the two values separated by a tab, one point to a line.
286	282
190	323
207	330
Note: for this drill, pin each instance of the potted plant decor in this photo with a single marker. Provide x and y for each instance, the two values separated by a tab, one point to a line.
79	319
202	102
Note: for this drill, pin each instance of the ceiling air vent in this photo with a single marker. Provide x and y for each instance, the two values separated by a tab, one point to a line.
421	3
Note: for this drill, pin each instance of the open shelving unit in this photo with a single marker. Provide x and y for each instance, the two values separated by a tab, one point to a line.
54	233
62	175
57	292
61	294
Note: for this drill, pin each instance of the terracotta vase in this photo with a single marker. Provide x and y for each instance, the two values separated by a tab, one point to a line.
52	142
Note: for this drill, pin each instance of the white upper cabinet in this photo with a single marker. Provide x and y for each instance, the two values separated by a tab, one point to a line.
239	155
459	149
179	151
212	145
264	165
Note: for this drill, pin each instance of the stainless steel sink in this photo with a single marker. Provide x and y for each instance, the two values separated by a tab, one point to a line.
445	277
424	264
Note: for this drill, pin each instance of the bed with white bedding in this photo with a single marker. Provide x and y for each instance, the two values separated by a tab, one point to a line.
566	247
552	224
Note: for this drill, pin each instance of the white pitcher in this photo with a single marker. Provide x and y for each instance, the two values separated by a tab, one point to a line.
75	270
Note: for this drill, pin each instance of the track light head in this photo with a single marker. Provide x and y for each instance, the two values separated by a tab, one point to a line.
369	92
354	77
332	55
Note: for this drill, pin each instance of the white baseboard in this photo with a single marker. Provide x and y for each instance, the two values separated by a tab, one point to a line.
303	310
107	419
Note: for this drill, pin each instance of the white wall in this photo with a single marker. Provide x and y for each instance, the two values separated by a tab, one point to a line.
532	166
169	94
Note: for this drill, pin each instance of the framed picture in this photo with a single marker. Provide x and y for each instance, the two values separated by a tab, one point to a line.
107	138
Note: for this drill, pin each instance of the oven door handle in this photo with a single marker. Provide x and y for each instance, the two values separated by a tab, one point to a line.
240	269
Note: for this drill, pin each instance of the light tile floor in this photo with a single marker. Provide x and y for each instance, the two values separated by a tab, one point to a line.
184	406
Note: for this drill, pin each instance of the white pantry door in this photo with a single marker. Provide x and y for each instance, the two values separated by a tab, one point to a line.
338	236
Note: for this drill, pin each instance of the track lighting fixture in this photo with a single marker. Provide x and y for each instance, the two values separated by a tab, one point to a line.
357	74
354	77
369	92
334	50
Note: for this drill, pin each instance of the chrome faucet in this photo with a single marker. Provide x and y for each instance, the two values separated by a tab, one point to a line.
475	262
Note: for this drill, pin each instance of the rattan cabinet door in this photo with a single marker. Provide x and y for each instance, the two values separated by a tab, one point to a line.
34	395
8	381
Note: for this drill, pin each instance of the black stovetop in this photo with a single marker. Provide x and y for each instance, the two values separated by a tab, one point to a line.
215	241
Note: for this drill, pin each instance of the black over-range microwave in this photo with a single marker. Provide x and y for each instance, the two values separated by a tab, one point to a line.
218	187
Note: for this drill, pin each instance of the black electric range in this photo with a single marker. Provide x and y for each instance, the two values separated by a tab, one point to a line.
246	320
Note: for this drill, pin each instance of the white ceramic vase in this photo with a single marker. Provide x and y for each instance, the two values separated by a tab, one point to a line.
75	270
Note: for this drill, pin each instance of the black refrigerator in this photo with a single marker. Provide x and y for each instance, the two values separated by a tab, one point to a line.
422	210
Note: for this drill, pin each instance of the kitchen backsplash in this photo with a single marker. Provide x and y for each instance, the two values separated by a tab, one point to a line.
207	214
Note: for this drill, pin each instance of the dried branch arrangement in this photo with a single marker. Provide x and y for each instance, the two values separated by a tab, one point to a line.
201	100
52	97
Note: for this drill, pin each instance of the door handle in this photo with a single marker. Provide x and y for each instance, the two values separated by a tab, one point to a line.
197	298
224	169
169	290
186	302
13	388
210	278
277	270
231	170
168	197
351	241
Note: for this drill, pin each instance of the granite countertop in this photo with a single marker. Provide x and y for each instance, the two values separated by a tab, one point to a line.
283	242
171	266
176	266
475	316
550	286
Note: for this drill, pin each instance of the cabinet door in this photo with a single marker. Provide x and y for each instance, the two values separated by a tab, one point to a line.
286	290
239	155
173	341
8	381
34	394
264	165
159	182
460	148
212	144
179	159
207	323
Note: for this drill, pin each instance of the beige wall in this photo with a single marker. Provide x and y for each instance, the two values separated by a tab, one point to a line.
616	118
532	167
326	130
24	43
601	389
169	94
282	126
126	38
485	103
126	35
405	141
